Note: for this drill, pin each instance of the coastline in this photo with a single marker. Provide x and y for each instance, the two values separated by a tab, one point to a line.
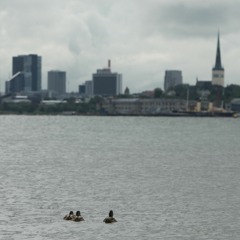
162	114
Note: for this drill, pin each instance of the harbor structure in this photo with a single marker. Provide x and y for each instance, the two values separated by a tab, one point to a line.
138	106
235	105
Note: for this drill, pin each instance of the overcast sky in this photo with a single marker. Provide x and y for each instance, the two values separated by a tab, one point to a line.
143	38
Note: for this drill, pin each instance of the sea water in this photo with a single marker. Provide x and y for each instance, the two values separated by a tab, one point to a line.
164	178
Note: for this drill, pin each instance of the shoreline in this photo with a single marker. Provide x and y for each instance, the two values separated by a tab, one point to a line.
170	114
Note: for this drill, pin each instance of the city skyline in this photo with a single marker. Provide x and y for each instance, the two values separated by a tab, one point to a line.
143	40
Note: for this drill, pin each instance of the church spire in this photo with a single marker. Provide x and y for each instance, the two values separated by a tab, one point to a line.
218	64
218	70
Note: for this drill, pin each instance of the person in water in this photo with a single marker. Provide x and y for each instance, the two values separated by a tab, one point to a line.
69	216
110	218
78	217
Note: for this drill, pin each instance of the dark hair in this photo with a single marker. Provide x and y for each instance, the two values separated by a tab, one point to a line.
78	213
71	213
111	213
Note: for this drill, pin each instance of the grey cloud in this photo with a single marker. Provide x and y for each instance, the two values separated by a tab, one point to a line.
143	38
98	30
191	20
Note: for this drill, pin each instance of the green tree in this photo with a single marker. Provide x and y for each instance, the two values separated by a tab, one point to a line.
158	93
231	91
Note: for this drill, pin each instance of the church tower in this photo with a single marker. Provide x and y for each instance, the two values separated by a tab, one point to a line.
218	70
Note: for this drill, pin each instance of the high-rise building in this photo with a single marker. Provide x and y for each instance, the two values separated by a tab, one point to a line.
15	83
82	89
30	66
172	78
106	83
218	70
89	88
57	81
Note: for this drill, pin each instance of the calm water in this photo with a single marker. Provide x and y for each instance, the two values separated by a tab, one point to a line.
164	178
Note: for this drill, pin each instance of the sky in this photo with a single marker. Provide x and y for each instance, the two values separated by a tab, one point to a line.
143	38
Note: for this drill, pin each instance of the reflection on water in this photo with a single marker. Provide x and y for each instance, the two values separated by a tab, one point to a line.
165	178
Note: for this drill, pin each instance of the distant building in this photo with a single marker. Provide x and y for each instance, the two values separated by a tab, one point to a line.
235	105
89	88
203	89
127	91
52	102
106	83
57	82
203	84
147	94
141	106
82	89
26	74
172	78
16	99
218	70
15	84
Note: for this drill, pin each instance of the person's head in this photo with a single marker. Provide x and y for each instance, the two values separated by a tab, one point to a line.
111	213
78	213
71	213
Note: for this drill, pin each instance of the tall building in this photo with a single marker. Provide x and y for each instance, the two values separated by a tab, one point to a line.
106	83
89	88
172	78
82	89
218	70
57	81
30	66
15	83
